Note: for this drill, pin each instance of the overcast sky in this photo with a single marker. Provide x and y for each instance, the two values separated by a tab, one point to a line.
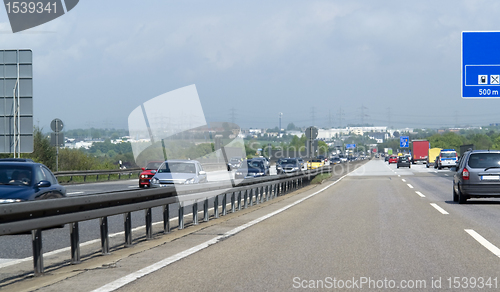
398	60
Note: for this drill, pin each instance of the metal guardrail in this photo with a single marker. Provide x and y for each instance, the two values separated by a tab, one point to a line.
36	216
121	172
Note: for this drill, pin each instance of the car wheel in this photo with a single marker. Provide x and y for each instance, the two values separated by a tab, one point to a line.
455	195
427	165
462	199
397	166
409	166
141	186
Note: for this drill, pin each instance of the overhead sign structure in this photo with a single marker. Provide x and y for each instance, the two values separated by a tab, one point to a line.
16	100
350	146
404	142
480	64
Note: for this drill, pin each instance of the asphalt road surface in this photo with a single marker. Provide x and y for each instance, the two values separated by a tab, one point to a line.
379	228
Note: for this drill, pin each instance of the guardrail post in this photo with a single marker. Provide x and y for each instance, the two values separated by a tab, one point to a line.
239	200
216	206
103	222
233	202
181	217
75	243
251	196
224	212
245	200
166	219
149	224
127	225
195	213
262	194
36	240
205	211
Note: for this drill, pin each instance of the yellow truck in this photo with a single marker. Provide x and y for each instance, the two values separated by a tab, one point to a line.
431	158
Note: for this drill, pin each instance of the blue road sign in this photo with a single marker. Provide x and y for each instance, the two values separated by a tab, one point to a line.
404	142
480	64
350	146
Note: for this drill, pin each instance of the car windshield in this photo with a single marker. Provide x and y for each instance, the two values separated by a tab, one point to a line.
288	161
234	160
177	167
255	164
153	165
484	160
316	160
448	154
15	175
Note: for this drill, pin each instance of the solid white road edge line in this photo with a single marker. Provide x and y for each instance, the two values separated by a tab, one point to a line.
165	262
495	250
439	209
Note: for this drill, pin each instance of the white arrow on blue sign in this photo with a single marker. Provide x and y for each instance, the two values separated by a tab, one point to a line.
404	142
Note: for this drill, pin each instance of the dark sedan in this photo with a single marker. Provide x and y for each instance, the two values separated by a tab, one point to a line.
478	176
24	180
404	161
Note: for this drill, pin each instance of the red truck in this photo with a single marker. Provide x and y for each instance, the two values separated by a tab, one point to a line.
420	151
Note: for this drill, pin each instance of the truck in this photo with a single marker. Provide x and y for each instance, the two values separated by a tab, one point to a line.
420	151
465	147
389	151
431	158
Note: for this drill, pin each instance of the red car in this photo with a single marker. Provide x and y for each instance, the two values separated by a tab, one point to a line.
393	159
148	172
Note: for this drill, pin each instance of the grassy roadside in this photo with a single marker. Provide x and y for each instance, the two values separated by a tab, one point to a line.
321	177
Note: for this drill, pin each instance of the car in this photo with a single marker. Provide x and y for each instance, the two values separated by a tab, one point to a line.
234	163
386	158
301	162
252	168
148	172
447	158
403	161
335	160
343	158
436	162
315	163
324	158
290	165
25	180
477	175
178	172
393	159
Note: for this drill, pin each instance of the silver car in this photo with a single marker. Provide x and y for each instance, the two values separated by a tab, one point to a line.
180	172
478	175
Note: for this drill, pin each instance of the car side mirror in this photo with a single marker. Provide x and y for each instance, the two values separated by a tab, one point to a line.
153	171
44	184
202	172
143	168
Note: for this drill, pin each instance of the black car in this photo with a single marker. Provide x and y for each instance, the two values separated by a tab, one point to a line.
25	180
252	168
404	161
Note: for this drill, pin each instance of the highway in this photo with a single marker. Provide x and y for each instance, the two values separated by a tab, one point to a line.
380	226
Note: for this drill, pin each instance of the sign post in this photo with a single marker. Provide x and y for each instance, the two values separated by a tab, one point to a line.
311	134
57	138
